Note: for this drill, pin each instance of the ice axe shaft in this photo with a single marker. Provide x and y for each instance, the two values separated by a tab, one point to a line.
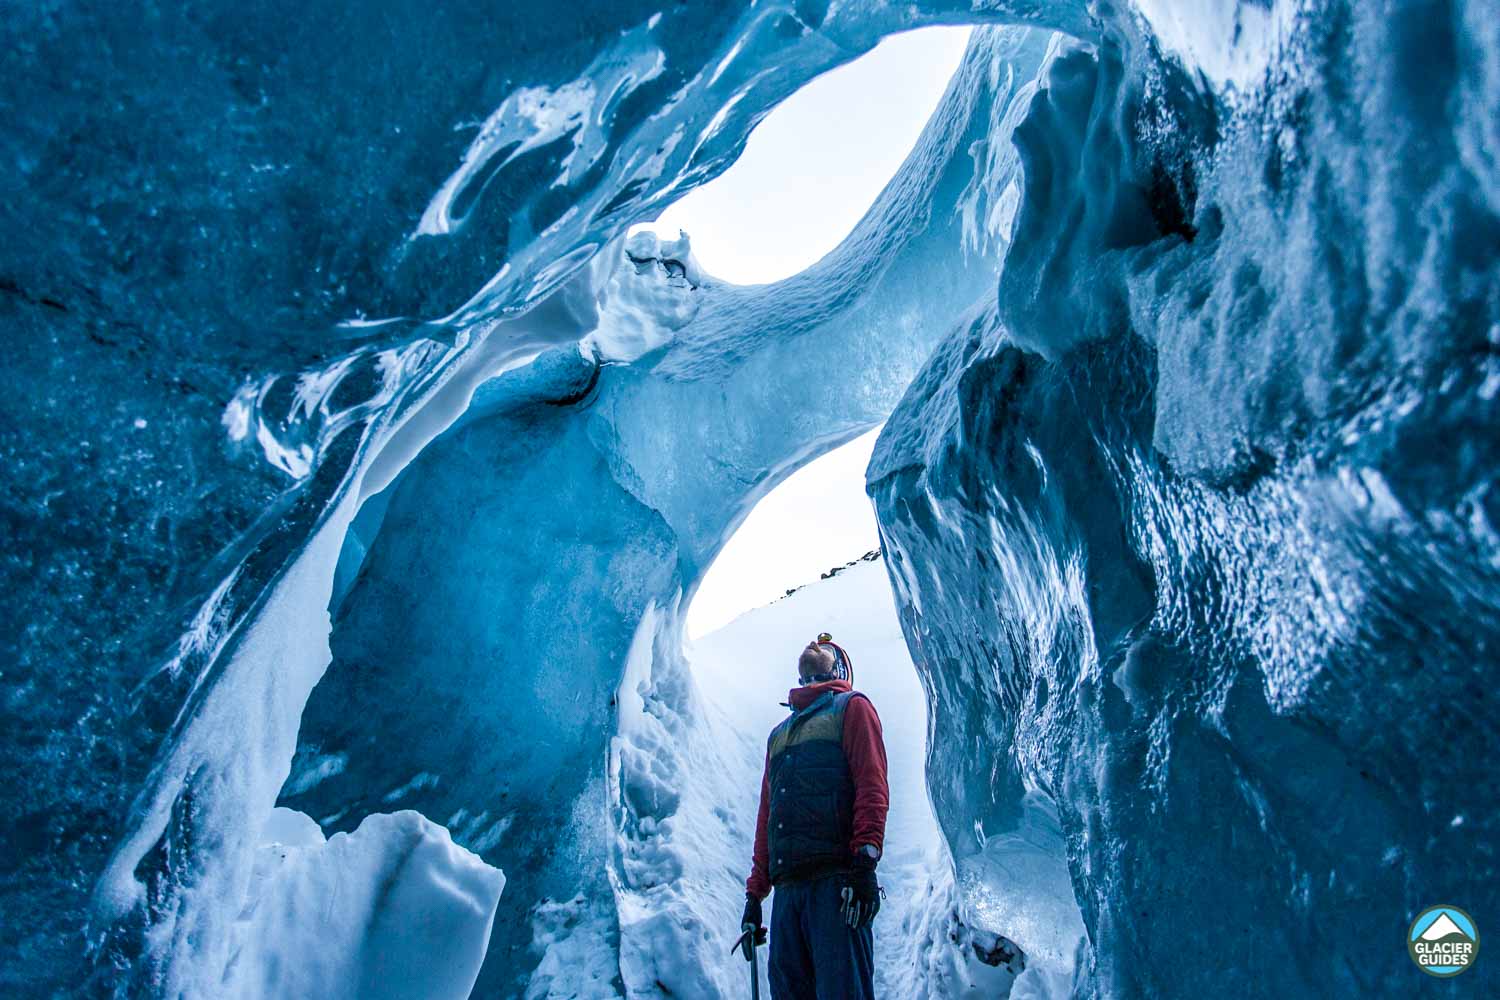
747	943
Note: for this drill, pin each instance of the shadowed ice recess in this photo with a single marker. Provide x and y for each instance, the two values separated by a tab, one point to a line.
362	470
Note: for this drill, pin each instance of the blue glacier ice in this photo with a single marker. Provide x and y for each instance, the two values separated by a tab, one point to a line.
1197	529
498	681
361	469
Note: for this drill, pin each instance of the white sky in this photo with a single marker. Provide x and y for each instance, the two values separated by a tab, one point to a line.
809	172
817	519
813	167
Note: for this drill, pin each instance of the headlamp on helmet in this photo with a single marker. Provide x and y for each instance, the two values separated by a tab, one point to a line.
843	667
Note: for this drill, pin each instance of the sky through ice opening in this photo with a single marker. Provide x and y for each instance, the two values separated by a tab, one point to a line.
814	166
818	518
808	173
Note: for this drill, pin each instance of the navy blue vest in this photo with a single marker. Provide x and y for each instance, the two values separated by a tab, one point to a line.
812	792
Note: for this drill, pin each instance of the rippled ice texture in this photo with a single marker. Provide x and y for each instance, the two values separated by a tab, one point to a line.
1194	535
326	356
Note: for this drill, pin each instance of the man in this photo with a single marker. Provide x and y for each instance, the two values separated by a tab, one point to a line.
823	800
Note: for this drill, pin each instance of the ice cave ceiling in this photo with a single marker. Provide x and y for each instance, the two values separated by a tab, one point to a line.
339	408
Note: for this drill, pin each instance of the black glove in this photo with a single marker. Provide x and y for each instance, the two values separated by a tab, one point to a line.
861	896
751	917
750	924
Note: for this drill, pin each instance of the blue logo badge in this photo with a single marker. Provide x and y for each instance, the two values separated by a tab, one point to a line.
1443	941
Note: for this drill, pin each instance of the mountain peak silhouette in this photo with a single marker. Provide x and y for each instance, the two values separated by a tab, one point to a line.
1440	928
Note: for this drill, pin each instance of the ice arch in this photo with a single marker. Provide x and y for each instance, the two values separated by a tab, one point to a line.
222	706
569	508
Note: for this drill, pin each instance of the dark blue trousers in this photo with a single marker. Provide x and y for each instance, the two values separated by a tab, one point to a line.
814	954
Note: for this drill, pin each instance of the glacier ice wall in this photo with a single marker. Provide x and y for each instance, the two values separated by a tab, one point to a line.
1194	534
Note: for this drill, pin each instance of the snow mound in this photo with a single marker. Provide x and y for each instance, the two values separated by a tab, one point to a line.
393	911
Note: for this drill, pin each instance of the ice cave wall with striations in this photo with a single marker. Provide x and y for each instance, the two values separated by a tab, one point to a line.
1198	526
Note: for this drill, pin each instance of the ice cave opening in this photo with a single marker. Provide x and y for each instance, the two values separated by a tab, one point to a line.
364	463
814	165
817	518
616	841
932	938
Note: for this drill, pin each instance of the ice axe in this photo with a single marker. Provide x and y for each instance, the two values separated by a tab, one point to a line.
747	943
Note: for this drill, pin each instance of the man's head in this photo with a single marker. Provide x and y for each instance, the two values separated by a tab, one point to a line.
816	658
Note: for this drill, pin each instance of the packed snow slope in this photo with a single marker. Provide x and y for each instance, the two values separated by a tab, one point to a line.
327	362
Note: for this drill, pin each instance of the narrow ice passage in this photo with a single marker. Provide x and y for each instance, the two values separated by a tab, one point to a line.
928	940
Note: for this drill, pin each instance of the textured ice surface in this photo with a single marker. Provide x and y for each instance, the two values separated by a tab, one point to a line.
393	911
1192	521
1194	535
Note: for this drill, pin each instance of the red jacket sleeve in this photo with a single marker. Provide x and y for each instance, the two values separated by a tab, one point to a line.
759	882
864	746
